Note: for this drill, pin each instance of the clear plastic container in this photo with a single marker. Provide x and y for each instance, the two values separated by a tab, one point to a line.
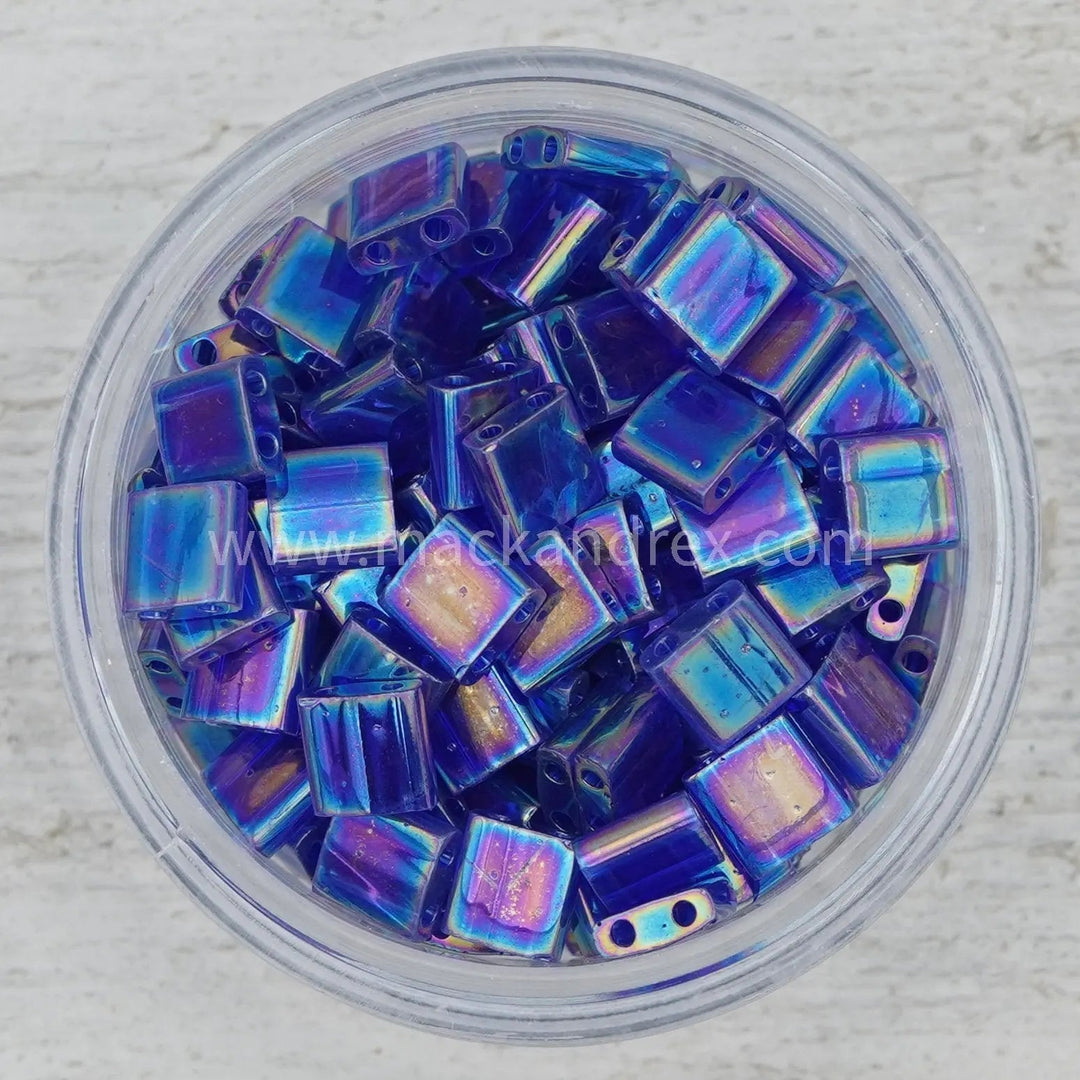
296	167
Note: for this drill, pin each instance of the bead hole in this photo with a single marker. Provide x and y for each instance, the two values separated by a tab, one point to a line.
483	244
267	445
539	399
563	335
492	431
377	252
256	383
916	662
436	230
592	779
204	352
683	912
159	667
551	149
517	148
890	610
623	933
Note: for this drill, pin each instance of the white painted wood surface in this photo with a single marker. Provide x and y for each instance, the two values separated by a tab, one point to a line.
111	111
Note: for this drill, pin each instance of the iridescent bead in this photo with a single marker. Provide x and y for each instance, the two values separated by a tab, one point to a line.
220	423
261	782
233	297
367	748
230	341
663	849
409	209
654	924
821	595
202	743
859	393
396	870
770	797
480	727
806	254
159	662
782	360
891	494
459	403
511	890
343	593
532	464
459	599
527	340
888	617
871	326
713	256
574	621
503	798
769	520
698	439
338	510
725	664
185	550
855	711
256	687
559	697
917	654
575	154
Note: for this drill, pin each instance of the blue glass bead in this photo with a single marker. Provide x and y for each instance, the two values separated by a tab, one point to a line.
532	464
770	520
500	202
185	550
821	595
370	647
159	662
396	870
575	620
859	393
619	659
725	664
338	510
770	797
308	846
647	504
203	743
871	326
654	924
220	423
698	439
633	757
307	300
575	154
511	890
527	340
714	285
888	617
807	255
663	849
232	298
230	341
261	782
559	697
503	798
367	748
566	230
855	711
415	506
256	687
262	612
917	653
892	493
459	403
607	536
480	727
340	595
408	209
458	598
782	360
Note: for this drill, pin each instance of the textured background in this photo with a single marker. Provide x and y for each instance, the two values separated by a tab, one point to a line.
111	111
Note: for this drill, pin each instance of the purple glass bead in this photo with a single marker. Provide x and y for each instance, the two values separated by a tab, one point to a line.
233	297
480	727
256	687
263	611
338	510
230	341
818	596
459	403
647	504
859	393
698	439
855	711
770	797
527	340
557	700
459	599
567	229
771	519
370	647
220	423
511	890
654	924
532	464
573	153
891	494
261	782
663	849
503	798
714	285
409	209
725	664
575	620
610	355
367	748
888	617
806	254
185	550
782	360
871	326
396	870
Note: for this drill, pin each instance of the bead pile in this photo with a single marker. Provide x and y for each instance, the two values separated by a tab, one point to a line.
543	555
